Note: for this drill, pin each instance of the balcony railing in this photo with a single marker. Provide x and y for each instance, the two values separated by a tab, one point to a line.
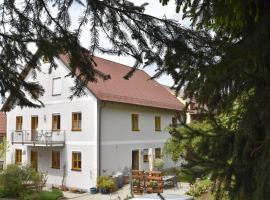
39	138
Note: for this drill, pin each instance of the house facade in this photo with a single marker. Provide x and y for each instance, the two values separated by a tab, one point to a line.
109	130
3	132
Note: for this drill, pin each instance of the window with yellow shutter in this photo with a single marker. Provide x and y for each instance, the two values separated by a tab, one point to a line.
76	161
157	123
18	156
56	159
135	122
19	121
76	121
56	122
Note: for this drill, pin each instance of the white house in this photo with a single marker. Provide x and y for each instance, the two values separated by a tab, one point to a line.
107	131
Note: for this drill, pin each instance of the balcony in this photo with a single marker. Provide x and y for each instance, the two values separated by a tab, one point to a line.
46	138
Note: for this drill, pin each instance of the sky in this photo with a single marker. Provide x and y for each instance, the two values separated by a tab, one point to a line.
154	8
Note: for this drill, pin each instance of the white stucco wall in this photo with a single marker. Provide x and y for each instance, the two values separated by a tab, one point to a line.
84	141
118	140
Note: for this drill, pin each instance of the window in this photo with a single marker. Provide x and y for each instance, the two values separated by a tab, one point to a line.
56	122
157	123
56	86
158	152
18	156
145	158
2	139
56	159
76	161
19	121
174	122
135	122
1	165
76	121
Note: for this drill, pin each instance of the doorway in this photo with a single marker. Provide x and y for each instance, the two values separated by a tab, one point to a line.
34	160
135	160
34	126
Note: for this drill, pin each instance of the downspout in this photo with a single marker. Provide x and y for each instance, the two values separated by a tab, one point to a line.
100	106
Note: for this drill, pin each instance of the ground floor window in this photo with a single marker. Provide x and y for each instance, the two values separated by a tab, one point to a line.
76	161
56	159
18	156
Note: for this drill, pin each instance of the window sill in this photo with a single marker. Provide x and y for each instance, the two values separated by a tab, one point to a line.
135	130
77	170
76	129
157	130
56	130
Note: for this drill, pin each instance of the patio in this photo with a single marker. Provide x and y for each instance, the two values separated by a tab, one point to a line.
123	193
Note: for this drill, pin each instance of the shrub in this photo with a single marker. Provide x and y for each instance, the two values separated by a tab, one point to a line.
16	180
200	187
106	183
158	163
135	182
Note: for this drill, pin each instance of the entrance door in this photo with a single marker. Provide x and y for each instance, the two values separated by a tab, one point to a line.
34	126
135	160
34	160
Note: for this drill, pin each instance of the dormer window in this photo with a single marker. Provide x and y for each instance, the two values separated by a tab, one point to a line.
56	86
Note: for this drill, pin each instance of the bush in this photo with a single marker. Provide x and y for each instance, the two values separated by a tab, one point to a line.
106	183
200	187
18	181
158	163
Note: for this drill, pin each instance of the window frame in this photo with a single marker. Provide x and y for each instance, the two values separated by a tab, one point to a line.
77	122
17	123
158	123
135	122
77	160
53	121
53	83
18	156
56	161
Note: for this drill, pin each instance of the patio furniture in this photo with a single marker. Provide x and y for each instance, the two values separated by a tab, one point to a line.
170	181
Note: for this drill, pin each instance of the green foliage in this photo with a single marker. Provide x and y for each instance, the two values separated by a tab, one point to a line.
18	181
153	184
135	182
159	163
44	195
205	189
200	187
107	183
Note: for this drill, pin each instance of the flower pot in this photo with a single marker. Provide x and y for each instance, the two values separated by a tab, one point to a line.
93	190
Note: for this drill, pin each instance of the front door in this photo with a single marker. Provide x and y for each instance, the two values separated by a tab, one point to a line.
135	160
34	160
34	126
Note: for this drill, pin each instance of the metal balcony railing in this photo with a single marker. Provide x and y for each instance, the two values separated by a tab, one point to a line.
39	138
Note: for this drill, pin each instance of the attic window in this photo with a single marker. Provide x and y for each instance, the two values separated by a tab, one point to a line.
56	86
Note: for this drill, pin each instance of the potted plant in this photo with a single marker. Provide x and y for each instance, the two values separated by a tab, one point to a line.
105	184
153	184
135	182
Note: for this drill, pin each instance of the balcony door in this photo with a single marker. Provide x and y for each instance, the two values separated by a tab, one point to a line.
34	126
34	160
135	160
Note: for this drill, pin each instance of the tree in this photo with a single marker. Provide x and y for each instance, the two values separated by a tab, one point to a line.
127	28
222	59
233	66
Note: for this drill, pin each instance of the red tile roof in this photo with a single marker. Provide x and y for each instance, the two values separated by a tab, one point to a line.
3	123
138	90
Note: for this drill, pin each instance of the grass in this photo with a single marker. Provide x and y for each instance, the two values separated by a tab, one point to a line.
45	195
